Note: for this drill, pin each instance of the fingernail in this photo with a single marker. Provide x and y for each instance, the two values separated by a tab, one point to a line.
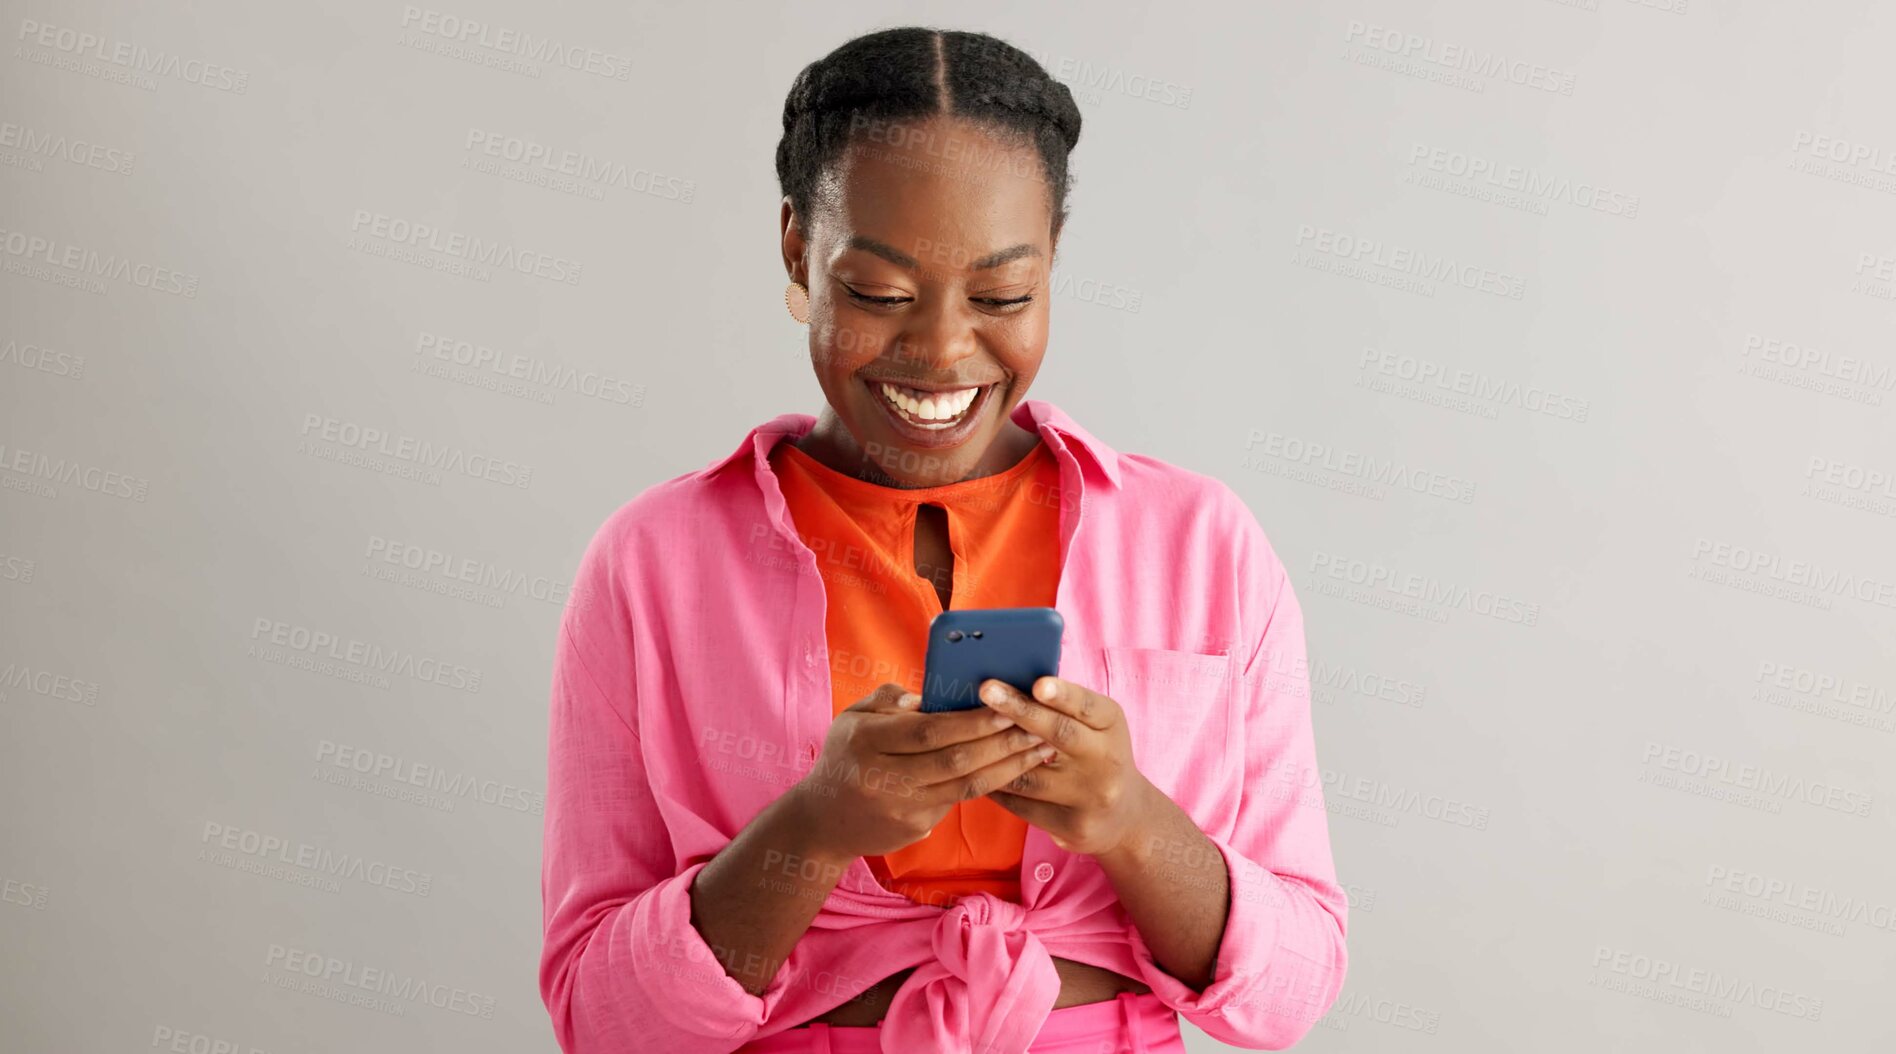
1043	690
909	701
1032	739
992	693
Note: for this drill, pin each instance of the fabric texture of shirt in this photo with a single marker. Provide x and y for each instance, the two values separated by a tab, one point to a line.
690	689
1004	534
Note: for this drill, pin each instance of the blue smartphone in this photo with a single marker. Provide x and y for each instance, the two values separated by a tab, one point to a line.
966	647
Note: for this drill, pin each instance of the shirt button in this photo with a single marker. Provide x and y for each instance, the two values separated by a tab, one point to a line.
1043	871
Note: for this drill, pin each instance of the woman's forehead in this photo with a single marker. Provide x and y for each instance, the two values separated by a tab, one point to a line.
995	197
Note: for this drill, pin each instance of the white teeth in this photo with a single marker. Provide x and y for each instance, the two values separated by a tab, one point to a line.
930	409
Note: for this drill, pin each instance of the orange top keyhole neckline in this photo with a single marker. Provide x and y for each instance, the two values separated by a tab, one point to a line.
1004	531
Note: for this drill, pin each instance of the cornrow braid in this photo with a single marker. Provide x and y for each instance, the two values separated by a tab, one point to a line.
908	74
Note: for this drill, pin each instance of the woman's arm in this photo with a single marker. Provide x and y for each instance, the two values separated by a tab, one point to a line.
1173	883
1281	961
758	896
623	966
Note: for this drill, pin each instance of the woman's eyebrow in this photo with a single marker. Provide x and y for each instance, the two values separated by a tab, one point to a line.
904	260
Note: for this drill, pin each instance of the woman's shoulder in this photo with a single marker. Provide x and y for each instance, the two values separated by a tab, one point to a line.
1149	483
1171	490
1145	476
1183	503
668	520
674	510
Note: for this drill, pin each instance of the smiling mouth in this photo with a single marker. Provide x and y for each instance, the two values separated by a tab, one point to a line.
929	410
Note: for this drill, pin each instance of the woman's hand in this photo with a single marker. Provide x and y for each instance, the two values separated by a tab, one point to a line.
889	773
1091	798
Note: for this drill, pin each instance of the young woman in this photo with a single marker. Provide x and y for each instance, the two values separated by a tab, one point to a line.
754	839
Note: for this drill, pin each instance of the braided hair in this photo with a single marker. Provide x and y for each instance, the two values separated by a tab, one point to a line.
885	78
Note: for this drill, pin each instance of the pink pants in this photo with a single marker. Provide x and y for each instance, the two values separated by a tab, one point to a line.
1129	1023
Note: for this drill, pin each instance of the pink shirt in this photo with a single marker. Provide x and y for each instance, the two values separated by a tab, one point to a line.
691	688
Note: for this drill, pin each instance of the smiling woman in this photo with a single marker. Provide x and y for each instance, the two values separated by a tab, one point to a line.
925	179
745	854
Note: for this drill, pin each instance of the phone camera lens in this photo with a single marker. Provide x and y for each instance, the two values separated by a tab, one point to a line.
954	634
976	634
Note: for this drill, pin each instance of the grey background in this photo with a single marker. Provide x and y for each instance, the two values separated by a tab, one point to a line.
168	509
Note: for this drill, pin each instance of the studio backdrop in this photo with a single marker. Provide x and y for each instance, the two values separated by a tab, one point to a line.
1552	344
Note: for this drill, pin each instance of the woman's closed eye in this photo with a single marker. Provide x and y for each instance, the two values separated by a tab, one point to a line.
880	301
1005	303
994	303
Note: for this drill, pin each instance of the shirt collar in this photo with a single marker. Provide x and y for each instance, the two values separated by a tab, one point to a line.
1055	428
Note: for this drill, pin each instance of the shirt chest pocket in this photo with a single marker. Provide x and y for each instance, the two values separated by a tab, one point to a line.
1178	710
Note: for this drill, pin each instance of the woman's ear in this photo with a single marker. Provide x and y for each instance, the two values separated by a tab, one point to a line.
795	243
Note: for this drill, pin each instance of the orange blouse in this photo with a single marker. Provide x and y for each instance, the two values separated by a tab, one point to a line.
1004	532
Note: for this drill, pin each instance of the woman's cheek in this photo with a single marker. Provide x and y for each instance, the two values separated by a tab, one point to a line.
846	346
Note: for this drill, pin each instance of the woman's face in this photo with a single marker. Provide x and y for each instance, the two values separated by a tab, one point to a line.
928	262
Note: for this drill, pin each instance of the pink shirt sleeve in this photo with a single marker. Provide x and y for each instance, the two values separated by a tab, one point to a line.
622	967
1282	960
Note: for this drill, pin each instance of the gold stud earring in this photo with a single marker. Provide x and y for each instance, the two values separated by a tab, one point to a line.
797	299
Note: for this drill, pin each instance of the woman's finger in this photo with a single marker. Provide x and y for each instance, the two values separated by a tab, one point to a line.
989	777
914	732
1087	706
960	760
1045	815
1056	727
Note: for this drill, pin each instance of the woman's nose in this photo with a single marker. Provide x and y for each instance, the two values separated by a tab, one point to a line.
936	339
